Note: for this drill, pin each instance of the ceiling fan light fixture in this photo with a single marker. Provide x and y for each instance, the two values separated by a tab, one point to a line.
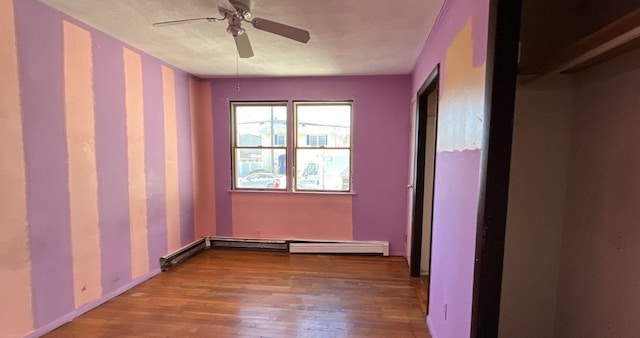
235	31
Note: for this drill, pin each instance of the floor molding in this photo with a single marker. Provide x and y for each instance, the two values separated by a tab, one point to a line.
431	328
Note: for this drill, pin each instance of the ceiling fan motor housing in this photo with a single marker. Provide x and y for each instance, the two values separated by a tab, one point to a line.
235	20
243	7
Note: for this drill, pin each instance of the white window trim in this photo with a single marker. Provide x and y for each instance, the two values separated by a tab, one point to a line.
290	146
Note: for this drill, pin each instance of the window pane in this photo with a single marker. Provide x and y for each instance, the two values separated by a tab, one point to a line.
260	125
323	169
324	125
260	168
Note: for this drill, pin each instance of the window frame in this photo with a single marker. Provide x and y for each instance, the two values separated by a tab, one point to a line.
290	145
296	147
234	143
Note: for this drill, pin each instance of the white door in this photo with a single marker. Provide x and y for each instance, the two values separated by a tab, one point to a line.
412	158
430	152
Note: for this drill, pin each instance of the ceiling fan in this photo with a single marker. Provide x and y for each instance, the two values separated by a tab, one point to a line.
241	14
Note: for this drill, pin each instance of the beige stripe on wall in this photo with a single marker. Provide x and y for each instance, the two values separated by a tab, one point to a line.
135	151
202	154
83	182
171	159
15	265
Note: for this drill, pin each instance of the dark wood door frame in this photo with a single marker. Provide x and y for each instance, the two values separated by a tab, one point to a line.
501	74
430	85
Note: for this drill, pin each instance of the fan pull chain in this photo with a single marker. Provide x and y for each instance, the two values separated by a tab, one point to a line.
237	73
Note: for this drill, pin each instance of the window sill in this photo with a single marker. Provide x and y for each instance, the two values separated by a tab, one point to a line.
288	192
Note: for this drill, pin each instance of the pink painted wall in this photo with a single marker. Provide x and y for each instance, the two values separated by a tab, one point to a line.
458	43
16	309
380	150
203	166
87	139
82	169
600	262
295	216
138	230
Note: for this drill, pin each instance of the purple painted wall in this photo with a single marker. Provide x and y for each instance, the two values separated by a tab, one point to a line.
111	144
40	37
458	43
39	40
380	147
380	144
453	16
154	159
185	161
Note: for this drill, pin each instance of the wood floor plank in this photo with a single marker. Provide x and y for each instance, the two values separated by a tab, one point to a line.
231	293
421	286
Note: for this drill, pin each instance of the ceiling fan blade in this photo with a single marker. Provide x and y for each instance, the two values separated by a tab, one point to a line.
243	45
175	22
290	32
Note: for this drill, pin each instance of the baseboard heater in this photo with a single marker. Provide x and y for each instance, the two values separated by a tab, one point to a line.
290	246
248	244
172	259
342	247
302	246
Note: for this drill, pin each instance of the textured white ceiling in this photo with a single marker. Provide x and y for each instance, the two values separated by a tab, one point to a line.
357	37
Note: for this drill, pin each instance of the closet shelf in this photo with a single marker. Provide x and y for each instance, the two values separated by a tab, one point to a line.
619	37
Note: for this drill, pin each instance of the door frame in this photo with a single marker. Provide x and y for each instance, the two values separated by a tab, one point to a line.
500	86
430	85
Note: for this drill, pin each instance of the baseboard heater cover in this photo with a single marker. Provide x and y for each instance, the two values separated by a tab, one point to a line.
174	258
302	246
355	247
251	244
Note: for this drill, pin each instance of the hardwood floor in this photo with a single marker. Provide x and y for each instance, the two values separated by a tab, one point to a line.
421	286
229	293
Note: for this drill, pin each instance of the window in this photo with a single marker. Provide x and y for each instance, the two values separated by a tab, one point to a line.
321	146
259	145
317	140
279	140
